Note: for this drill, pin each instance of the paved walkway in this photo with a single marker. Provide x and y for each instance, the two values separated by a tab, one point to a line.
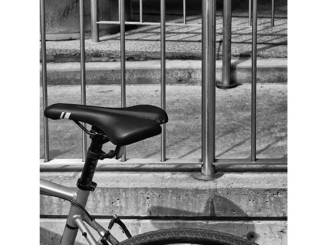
184	126
183	42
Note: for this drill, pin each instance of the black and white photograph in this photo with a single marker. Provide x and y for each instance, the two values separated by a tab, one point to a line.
165	122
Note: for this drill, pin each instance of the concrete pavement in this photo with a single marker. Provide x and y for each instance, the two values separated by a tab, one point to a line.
183	46
184	126
183	42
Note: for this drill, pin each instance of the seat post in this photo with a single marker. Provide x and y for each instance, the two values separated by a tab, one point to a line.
84	184
85	181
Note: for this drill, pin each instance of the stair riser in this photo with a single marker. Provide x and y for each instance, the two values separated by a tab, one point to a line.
178	195
173	76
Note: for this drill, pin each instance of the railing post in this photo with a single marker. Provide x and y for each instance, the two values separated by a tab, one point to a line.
94	19
184	12
226	67
254	82
44	83
123	60
141	11
250	13
273	13
163	80
82	71
208	86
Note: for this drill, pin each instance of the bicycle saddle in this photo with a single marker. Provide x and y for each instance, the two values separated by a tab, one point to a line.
123	126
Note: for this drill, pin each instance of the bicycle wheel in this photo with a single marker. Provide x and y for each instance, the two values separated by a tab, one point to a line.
185	236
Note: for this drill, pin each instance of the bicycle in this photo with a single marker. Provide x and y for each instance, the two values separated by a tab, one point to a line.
121	126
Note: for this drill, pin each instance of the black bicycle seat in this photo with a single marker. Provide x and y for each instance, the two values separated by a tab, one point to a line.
123	126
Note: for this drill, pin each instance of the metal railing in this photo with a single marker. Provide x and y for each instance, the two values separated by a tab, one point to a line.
208	78
227	22
272	13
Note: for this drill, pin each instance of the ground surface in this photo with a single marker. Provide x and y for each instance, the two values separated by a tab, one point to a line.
184	126
182	42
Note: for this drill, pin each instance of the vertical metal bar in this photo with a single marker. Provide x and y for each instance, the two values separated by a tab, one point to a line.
254	82
123	59
123	53
94	19
250	13
208	86
44	83
119	8
273	13
82	70
141	11
227	22
184	12
163	80
226	60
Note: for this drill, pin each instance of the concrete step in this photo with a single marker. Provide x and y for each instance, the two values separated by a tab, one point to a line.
160	194
177	72
237	203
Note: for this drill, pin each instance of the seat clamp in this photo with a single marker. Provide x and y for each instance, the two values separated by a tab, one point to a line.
93	155
101	155
89	187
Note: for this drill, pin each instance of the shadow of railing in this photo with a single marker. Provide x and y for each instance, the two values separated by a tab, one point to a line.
217	208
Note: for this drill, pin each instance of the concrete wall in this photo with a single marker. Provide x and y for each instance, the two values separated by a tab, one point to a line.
242	204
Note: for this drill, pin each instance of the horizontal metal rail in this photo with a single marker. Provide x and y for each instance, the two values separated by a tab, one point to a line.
146	23
170	165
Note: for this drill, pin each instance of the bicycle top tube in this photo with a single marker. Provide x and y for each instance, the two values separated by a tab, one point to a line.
123	126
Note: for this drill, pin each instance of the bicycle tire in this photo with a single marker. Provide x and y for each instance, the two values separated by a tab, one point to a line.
185	236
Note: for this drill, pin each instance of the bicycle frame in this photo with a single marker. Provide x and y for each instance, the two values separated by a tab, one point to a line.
78	198
60	191
76	217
